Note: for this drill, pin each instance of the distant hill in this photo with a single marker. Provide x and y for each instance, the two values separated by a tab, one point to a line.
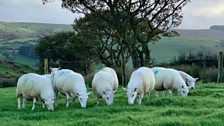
217	27
17	35
20	30
207	41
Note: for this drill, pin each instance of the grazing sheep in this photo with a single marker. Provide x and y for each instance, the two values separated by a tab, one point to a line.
169	79
105	84
71	84
189	80
35	86
141	81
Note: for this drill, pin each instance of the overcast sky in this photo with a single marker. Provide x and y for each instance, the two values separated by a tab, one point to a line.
198	14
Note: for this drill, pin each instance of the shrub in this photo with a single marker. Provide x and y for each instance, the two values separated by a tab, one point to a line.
8	82
192	70
209	75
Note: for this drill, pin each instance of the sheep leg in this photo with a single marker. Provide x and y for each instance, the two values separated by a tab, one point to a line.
148	95
97	100
19	102
67	99
24	102
139	99
43	105
34	102
56	98
73	100
170	92
156	93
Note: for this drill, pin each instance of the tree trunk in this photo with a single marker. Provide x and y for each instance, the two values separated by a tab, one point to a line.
123	68
135	59
147	57
220	67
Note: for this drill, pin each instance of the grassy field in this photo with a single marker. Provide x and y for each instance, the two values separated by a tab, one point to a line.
167	48
203	107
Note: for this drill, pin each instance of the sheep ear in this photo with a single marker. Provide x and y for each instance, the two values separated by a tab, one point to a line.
135	89
50	68
125	89
59	68
196	79
114	92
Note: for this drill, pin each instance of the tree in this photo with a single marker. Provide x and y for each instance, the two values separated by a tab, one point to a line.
137	22
103	39
64	49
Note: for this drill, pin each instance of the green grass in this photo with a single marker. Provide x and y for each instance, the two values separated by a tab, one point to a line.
203	107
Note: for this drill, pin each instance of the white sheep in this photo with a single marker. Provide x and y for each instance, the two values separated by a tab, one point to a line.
189	80
105	84
141	81
71	84
169	79
35	86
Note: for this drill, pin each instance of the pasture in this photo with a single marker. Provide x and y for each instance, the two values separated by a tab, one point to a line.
204	106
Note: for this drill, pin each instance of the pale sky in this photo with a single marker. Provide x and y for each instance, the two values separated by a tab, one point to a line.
198	14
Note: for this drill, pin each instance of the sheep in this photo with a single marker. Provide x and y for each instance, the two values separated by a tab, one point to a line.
189	80
35	86
169	79
71	84
141	81
105	84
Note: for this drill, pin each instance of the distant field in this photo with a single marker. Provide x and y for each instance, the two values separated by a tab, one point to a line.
167	48
18	30
15	35
203	107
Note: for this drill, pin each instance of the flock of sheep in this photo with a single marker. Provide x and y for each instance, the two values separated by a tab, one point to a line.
104	85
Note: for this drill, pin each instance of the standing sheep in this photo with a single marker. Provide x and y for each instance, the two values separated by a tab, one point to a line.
141	81
189	80
105	84
71	84
169	79
35	86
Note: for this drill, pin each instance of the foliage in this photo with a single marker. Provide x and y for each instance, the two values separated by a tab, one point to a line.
135	22
203	106
101	38
66	50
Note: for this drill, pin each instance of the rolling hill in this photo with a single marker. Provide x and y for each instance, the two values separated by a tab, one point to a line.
14	35
207	41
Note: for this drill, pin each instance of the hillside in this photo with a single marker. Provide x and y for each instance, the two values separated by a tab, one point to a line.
17	36
207	41
14	36
21	30
10	71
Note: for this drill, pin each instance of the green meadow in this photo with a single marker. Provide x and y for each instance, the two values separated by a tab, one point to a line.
203	107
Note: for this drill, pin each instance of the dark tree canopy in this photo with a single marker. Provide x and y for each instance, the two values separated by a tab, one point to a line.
134	23
66	50
102	38
137	22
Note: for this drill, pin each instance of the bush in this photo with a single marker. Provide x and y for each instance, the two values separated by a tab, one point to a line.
89	78
209	75
192	70
8	82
